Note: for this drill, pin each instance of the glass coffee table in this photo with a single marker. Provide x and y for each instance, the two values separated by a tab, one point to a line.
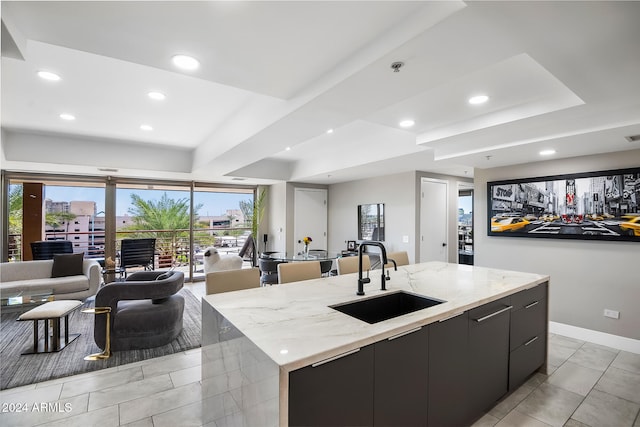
25	299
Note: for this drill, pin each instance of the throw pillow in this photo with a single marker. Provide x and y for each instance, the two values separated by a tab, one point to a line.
67	265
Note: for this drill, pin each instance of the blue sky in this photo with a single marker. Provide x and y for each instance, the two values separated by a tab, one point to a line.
213	203
466	203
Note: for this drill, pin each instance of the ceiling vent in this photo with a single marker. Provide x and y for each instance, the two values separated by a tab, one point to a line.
632	138
238	179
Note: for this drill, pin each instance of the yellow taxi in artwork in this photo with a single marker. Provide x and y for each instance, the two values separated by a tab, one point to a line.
508	224
631	228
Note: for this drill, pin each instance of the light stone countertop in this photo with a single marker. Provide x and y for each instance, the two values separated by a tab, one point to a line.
294	325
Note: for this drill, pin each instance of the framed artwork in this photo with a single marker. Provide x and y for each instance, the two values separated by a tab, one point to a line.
351	245
371	222
600	205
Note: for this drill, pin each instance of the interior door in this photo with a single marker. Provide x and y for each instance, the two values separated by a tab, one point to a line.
310	217
433	220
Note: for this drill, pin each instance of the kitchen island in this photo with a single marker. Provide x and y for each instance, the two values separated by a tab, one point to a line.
281	355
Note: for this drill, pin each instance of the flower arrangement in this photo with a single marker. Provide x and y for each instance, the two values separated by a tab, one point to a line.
306	240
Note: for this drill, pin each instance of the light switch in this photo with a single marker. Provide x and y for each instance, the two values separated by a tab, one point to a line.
405	239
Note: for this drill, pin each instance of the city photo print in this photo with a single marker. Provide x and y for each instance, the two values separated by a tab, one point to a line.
591	206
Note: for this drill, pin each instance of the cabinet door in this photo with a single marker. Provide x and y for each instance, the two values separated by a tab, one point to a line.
529	315
488	354
448	372
338	392
401	374
526	359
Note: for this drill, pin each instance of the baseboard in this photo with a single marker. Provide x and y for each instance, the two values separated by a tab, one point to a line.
596	337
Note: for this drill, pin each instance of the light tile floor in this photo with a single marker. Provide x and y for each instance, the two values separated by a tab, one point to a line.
587	385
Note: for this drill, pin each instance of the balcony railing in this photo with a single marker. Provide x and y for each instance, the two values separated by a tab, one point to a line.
172	246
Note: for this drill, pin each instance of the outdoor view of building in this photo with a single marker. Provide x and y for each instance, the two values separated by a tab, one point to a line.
162	215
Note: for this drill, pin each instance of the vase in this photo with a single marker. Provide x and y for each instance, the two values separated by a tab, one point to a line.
305	251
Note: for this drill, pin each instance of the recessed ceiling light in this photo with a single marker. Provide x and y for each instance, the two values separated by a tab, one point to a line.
547	152
284	351
479	99
146	127
329	130
407	123
185	62
67	116
48	75
287	149
158	96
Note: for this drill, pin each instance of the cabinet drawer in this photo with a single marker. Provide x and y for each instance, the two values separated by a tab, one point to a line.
529	296
526	359
490	310
526	323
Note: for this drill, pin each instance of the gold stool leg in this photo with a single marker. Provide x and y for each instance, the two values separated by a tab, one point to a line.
107	344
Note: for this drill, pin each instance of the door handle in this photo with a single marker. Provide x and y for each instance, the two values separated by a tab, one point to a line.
488	316
402	334
331	359
531	340
444	244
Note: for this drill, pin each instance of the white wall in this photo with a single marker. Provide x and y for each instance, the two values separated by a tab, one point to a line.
400	194
586	276
280	213
397	192
452	216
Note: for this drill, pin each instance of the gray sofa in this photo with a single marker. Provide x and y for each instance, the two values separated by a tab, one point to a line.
28	276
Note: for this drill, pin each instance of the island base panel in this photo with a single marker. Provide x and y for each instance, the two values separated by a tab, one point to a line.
240	383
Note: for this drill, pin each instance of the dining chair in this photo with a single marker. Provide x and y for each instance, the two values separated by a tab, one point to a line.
298	271
269	270
232	280
400	257
325	267
349	264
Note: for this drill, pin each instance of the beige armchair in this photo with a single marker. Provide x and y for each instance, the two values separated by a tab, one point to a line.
401	258
297	271
232	280
347	265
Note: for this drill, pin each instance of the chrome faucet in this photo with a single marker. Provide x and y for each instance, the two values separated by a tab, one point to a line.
361	280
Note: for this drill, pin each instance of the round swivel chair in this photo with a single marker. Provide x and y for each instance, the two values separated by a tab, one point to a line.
146	312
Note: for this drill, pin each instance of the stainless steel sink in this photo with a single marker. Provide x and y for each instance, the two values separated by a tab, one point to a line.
377	309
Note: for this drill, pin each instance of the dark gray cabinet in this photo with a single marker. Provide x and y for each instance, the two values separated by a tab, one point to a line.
448	372
337	392
528	342
488	354
401	380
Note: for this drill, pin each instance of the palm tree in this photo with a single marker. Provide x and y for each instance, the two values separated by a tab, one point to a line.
15	221
15	209
167	215
56	219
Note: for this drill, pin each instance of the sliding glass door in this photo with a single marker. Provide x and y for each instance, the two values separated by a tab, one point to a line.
96	213
223	221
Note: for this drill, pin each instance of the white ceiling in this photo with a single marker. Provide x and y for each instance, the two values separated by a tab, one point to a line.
278	75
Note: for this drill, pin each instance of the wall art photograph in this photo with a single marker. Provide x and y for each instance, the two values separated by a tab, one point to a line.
592	206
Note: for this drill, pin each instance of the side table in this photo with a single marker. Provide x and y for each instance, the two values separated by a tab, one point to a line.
53	311
111	275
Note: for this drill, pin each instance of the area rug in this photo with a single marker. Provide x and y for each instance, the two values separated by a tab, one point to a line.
15	337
